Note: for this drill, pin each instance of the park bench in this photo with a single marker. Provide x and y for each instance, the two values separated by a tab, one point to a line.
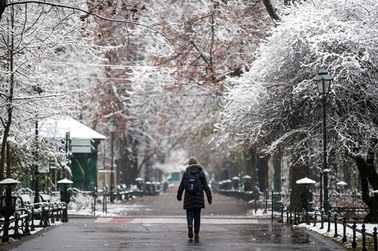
22	222
350	209
55	209
22	219
39	211
18	220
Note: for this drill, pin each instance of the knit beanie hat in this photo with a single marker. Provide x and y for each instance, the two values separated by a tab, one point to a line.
193	160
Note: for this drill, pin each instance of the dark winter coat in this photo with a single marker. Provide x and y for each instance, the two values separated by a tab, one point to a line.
195	200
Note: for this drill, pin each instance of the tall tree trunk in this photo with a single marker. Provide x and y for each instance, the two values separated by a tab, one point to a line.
277	171
263	170
9	105
254	173
248	162
3	5
369	176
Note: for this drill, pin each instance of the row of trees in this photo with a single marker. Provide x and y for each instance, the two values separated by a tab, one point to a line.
31	87
177	69
277	104
225	80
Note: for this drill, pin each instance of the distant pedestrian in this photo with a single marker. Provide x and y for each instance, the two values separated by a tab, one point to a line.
194	183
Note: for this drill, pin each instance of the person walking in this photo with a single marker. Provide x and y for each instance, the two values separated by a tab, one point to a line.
194	183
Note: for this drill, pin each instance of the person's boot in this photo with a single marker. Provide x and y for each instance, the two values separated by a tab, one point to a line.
196	237
190	231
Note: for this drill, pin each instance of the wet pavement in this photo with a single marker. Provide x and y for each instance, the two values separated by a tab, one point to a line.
158	223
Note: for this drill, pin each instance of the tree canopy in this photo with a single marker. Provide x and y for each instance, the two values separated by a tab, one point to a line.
276	103
177	72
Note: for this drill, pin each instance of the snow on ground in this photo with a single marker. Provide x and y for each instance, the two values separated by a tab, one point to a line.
349	232
331	234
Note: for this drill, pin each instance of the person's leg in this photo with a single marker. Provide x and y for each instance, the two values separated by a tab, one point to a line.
189	217
197	222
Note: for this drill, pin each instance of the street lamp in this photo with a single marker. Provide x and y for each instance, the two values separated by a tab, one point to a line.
36	159
39	90
323	80
112	127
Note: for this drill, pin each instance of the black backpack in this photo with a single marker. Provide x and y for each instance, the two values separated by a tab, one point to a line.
192	184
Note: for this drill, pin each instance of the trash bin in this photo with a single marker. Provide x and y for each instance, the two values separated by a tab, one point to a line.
247	182
307	200
65	196
7	209
236	182
149	188
228	184
139	183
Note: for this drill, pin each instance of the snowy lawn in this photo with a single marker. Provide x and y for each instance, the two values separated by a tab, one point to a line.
349	234
331	234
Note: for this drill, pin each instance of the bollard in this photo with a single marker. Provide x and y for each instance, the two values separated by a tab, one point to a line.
329	222
32	227
45	213
287	216
335	219
266	200
363	231
321	219
52	218
282	212
104	201
291	216
344	230
27	229
299	217
94	200
375	238
272	206
257	195
354	243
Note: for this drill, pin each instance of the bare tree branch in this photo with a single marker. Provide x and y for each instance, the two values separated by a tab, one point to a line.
4	4
272	12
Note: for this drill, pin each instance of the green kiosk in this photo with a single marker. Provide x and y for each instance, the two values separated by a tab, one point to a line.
82	142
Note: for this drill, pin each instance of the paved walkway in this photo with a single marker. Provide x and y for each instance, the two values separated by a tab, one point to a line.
158	223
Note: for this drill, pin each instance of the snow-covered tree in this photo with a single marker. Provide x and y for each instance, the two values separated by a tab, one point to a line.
285	109
31	89
202	43
170	71
43	47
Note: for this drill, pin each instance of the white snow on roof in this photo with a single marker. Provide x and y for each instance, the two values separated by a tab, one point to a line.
56	127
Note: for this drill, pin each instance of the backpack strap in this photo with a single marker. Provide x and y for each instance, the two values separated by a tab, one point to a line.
199	177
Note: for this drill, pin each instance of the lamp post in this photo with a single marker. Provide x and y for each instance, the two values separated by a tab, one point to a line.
39	90
112	127
36	174
323	80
